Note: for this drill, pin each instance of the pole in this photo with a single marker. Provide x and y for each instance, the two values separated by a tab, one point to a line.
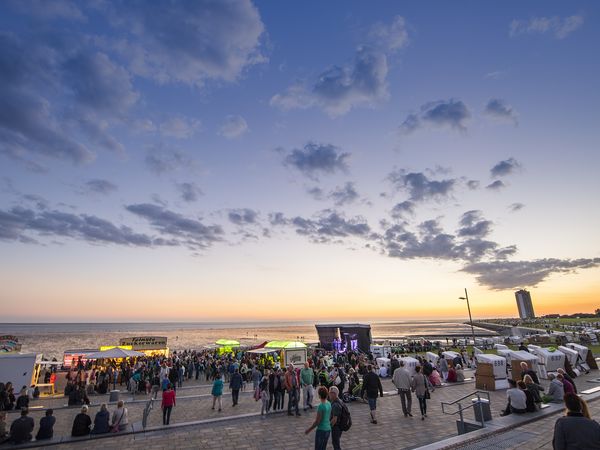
470	318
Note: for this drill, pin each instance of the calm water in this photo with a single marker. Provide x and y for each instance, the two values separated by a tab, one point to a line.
52	339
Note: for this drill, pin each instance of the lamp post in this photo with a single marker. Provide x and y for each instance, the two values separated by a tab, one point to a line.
466	297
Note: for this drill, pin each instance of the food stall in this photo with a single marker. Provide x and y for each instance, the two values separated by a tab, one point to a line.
149	345
291	352
72	357
225	346
21	369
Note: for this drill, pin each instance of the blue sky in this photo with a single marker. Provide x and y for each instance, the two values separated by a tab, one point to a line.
195	154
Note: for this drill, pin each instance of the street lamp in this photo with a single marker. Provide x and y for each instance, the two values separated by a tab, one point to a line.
466	297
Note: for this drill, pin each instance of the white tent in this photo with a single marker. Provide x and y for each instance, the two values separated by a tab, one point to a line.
432	358
114	353
498	362
410	364
570	354
500	347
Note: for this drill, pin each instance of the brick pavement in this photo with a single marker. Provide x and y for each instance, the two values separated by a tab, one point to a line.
280	431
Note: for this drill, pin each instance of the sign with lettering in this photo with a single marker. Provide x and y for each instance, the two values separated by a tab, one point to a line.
145	342
296	356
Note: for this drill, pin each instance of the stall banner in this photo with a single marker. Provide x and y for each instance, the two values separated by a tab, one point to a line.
296	357
9	343
145	342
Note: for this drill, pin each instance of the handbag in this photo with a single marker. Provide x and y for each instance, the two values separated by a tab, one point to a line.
115	427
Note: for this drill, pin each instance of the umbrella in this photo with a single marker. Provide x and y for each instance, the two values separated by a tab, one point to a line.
114	353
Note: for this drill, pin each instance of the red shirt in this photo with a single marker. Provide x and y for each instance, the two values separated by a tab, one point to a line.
168	398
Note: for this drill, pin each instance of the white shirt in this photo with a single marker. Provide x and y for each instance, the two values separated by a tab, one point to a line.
517	398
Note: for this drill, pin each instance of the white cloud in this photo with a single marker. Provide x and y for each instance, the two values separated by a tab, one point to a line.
558	26
180	127
233	127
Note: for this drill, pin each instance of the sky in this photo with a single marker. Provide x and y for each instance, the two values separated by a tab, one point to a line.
343	160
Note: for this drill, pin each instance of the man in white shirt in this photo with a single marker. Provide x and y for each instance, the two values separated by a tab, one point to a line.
517	400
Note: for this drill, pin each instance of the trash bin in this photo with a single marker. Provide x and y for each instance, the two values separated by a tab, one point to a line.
114	396
481	406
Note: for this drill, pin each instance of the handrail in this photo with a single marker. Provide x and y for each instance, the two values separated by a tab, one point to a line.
461	409
147	409
467	396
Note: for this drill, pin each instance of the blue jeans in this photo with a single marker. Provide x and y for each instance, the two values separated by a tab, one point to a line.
321	438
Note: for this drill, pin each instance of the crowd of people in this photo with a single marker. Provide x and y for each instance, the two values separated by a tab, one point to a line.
326	383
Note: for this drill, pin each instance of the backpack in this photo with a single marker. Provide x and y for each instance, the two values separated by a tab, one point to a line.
344	421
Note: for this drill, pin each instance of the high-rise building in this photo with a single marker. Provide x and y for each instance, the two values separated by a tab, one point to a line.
524	304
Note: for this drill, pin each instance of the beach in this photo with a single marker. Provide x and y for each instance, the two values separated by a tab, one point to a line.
52	339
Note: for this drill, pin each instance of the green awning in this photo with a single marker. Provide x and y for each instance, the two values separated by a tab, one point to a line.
227	343
285	344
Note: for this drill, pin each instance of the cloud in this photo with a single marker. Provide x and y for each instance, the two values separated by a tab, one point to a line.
498	109
329	226
316	193
516	207
184	231
400	210
100	186
233	127
473	184
451	113
390	37
188	192
361	82
161	159
473	225
344	195
180	127
243	216
506	167
15	224
420	187
315	159
496	185
500	275
560	27
188	42
341	88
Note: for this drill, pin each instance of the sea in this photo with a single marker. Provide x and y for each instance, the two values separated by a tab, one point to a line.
52	339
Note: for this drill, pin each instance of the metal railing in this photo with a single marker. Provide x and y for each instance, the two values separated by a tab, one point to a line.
461	408
147	409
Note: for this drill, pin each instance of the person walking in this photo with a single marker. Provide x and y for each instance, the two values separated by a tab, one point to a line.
322	420
337	409
307	376
420	386
217	392
372	385
264	396
235	384
168	401
402	381
292	386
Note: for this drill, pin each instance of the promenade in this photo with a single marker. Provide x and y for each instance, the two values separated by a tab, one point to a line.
195	425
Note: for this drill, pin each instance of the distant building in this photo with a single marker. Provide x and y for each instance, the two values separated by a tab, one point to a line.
524	304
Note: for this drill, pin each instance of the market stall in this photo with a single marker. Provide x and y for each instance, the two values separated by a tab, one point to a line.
72	357
225	346
115	353
149	345
21	369
291	352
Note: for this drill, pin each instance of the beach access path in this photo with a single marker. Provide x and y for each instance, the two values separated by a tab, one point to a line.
195	425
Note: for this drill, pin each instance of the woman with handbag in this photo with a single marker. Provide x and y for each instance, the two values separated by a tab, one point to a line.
420	386
119	418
